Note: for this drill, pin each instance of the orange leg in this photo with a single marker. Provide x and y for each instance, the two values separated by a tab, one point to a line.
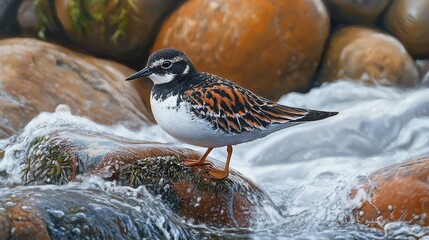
199	162
221	174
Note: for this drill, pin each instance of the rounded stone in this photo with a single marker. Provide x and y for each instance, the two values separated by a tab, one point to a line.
37	76
270	47
397	193
367	55
27	17
357	12
140	25
408	21
189	191
423	67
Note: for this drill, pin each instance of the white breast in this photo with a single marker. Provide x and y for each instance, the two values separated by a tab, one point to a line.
182	124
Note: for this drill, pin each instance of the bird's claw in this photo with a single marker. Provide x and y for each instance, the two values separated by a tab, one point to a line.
218	174
191	163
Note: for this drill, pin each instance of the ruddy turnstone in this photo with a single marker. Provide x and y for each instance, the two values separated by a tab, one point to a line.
206	110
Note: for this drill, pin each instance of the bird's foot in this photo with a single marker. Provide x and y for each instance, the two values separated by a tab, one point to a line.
192	163
218	174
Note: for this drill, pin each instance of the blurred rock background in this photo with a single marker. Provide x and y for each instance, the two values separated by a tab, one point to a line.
270	47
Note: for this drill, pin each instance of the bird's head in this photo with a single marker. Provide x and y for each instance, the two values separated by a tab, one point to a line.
166	65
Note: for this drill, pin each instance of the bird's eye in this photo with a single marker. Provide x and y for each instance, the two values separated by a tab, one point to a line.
166	64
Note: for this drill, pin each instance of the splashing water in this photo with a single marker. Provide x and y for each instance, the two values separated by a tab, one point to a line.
308	170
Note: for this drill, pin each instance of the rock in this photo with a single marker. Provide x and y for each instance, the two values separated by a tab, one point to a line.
8	24
20	221
423	67
37	76
28	18
408	21
270	47
397	193
357	12
96	34
367	55
59	156
82	213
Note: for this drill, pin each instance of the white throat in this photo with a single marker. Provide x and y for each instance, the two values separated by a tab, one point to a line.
161	79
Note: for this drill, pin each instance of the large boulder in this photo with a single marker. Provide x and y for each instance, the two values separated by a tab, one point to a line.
270	47
115	29
36	76
357	12
74	212
398	192
367	55
408	21
59	156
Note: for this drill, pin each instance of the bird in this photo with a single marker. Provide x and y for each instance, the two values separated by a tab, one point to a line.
206	110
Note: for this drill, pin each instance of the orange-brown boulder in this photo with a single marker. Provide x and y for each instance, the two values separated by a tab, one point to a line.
19	220
270	47
83	212
111	28
408	21
369	56
58	157
36	76
357	12
398	192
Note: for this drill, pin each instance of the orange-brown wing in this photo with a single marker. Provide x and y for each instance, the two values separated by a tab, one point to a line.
233	109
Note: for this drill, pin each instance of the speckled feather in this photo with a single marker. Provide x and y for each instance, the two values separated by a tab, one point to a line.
233	109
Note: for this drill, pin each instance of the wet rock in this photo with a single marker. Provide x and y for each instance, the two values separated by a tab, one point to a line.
113	28
369	56
51	212
408	21
423	67
20	221
357	12
270	47
396	193
37	76
190	192
8	24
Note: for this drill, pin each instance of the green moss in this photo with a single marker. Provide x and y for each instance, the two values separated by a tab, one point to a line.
155	173
48	162
43	24
112	13
105	12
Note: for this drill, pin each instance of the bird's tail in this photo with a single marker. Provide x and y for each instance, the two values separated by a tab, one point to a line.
314	115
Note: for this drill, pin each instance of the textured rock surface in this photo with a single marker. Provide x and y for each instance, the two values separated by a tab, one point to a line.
51	212
190	192
397	193
367	55
270	47
357	12
37	76
142	24
423	67
408	21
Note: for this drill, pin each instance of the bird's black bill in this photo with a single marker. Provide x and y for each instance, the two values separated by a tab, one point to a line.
142	73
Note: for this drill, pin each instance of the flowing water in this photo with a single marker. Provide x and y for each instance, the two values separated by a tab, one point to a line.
308	170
